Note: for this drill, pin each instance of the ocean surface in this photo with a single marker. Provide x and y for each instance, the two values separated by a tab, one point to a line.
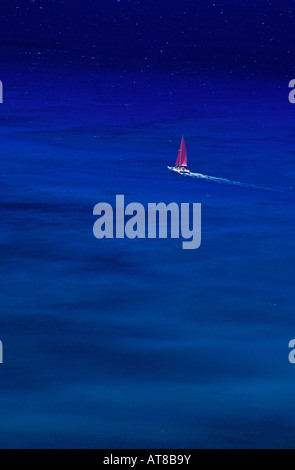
139	343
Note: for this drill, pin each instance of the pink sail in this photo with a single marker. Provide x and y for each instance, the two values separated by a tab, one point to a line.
182	155
178	157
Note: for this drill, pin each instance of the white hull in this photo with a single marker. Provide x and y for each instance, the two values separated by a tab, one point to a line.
180	172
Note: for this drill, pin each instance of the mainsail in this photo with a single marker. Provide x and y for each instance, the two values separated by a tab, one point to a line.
182	155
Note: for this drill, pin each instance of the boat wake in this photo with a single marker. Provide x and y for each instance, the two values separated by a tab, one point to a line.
214	179
181	168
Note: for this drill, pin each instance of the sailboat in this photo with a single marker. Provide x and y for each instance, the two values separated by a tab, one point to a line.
181	162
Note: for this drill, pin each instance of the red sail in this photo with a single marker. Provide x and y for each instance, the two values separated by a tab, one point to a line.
182	156
183	161
178	157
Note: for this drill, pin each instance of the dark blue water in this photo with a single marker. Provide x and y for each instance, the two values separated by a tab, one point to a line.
138	343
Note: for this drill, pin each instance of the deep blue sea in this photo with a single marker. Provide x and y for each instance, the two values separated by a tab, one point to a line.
139	343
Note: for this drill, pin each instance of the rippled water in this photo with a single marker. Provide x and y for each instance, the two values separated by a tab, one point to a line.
138	343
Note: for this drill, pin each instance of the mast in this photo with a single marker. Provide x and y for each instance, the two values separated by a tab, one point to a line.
178	160
180	157
183	161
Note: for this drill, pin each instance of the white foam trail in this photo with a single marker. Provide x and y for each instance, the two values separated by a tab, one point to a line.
225	181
